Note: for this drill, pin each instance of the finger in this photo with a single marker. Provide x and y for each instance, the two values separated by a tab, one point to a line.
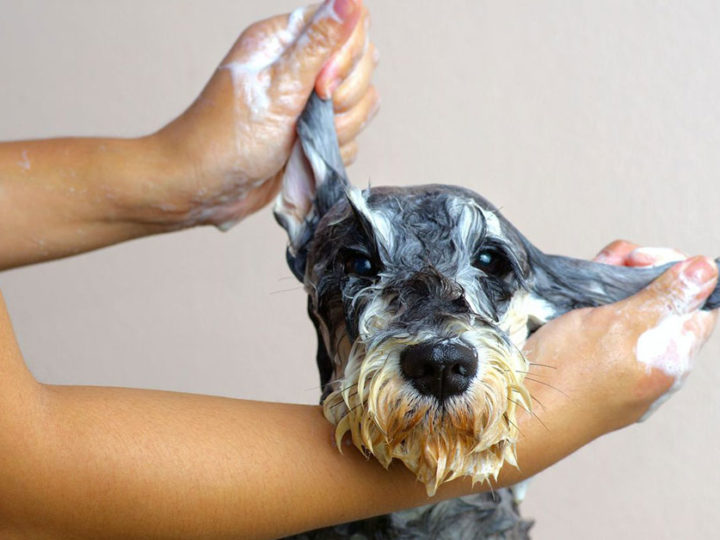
350	123
271	36
653	256
330	27
344	60
354	87
680	290
615	252
702	324
349	152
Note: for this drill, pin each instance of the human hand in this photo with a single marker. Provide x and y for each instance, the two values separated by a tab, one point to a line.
601	369
232	144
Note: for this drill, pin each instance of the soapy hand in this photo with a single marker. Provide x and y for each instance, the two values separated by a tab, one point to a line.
613	365
237	136
672	344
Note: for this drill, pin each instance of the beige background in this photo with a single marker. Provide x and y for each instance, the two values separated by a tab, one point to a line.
584	121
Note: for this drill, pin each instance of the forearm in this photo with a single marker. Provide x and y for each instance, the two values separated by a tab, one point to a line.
61	197
112	462
94	462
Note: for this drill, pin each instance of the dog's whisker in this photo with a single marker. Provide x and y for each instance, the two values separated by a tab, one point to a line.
279	291
547	384
542	365
531	412
344	389
339	403
538	401
521	405
513	424
527	372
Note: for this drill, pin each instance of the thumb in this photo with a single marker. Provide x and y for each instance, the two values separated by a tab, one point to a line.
682	289
329	28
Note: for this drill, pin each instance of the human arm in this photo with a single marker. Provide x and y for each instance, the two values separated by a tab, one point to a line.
115	462
220	160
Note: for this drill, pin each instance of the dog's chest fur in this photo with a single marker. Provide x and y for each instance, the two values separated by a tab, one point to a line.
492	516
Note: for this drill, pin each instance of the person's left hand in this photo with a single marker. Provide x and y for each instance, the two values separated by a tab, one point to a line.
601	369
231	145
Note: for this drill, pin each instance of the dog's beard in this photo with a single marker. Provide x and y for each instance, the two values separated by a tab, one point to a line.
472	434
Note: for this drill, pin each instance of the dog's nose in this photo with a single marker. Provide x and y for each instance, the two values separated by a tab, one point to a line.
439	368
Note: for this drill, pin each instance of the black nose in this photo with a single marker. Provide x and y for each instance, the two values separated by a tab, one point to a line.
439	368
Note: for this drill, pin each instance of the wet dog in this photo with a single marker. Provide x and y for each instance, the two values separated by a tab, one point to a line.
422	298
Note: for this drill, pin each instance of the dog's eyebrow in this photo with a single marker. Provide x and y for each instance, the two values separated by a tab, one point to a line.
492	223
376	225
473	219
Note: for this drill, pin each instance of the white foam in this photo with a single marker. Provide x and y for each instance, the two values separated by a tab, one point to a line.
250	80
252	84
670	347
24	163
661	255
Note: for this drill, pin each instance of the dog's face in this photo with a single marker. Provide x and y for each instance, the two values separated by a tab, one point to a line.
422	298
418	295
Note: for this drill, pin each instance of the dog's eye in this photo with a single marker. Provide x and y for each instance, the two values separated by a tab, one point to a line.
492	262
359	265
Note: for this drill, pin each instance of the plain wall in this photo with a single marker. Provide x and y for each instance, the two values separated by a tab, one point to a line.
584	121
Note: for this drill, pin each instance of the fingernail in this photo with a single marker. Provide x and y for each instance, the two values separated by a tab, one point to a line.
699	271
656	256
344	8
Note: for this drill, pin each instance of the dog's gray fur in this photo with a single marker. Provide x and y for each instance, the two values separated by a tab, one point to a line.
423	243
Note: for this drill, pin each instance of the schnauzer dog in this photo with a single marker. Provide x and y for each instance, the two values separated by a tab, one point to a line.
422	298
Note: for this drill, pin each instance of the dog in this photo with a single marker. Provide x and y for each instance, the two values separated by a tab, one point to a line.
422	298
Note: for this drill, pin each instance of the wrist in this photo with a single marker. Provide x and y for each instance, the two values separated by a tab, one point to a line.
158	190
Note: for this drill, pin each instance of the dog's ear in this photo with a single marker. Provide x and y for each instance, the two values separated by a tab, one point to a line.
568	283
314	180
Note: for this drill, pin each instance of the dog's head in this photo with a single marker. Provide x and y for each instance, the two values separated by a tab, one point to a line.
417	296
422	298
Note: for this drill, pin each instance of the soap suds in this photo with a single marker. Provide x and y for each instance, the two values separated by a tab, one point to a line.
669	347
250	79
24	163
672	344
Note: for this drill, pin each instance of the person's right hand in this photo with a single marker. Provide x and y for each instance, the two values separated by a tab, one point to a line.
231	145
597	370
